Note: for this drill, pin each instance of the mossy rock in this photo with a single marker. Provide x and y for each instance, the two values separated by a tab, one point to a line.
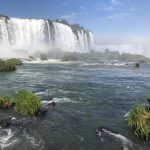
139	121
27	103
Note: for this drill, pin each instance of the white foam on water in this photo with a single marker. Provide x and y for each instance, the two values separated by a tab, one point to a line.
37	143
40	93
38	61
124	141
126	115
6	138
63	100
59	100
45	102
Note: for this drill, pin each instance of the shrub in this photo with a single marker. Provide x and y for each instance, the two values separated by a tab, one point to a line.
27	103
9	64
6	66
139	121
6	102
14	61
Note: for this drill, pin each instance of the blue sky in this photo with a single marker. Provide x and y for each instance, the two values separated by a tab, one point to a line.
110	20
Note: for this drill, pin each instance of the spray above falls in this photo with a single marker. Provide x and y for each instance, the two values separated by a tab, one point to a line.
28	36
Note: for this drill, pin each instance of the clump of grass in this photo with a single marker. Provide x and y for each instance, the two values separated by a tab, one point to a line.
139	121
27	103
6	102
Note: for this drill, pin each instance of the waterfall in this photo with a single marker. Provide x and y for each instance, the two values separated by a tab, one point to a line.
37	35
65	39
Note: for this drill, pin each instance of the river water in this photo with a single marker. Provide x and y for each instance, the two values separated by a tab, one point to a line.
88	96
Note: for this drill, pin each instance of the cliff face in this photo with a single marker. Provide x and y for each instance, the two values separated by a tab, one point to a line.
43	35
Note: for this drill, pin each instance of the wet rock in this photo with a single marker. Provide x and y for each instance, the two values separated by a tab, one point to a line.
53	104
5	123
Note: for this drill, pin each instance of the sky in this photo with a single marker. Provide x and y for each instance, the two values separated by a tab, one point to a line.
111	21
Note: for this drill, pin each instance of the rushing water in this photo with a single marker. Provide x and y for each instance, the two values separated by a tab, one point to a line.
87	96
24	37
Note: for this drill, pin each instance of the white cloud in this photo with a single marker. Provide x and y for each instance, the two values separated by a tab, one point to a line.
115	2
65	4
118	16
112	5
70	16
83	7
104	7
132	9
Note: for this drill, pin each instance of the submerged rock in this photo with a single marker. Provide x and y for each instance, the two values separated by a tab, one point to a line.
46	106
137	65
53	104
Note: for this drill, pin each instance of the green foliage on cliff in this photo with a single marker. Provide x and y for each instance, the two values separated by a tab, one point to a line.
27	103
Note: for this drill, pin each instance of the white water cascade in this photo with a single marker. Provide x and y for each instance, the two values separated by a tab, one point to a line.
28	36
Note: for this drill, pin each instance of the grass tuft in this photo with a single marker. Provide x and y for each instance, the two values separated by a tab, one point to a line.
139	121
27	103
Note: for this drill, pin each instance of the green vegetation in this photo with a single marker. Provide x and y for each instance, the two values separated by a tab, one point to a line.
139	121
107	55
6	66
9	64
6	102
27	103
14	61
